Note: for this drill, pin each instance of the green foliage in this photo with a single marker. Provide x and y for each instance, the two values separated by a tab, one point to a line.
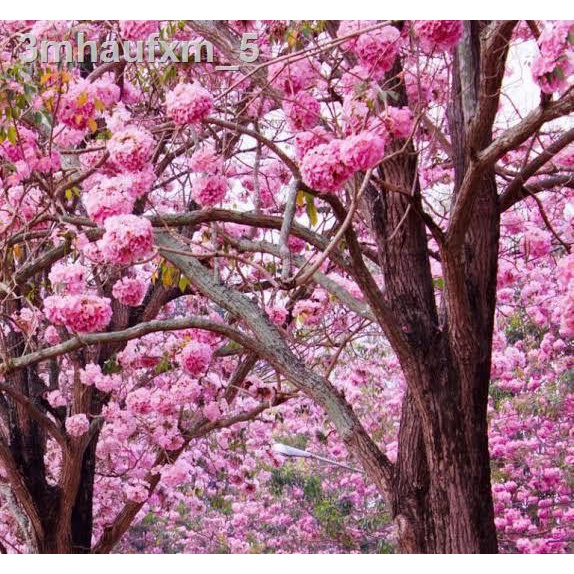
287	475
163	366
520	328
111	366
221	504
313	489
499	396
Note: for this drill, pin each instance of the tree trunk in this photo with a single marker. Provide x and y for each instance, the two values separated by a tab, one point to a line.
442	498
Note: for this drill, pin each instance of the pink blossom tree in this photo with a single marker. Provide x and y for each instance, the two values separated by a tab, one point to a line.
311	245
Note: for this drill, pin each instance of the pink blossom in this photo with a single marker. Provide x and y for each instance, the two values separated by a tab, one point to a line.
24	147
68	278
79	313
51	335
323	169
56	399
302	111
78	107
537	243
105	90
108	197
127	239
129	291
292	77
188	104
277	315
137	29
347	27
131	148
139	402
77	425
355	113
137	491
211	412
92	375
398	122
195	358
439	35
552	68
141	182
305	141
378	49
209	190
175	474
206	160
296	244
363	151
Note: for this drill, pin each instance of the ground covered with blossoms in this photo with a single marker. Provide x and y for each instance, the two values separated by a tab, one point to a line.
181	249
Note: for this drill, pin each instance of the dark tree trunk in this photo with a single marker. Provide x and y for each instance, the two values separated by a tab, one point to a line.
442	499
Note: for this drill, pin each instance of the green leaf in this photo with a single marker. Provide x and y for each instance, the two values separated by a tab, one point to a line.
12	135
183	283
111	366
163	366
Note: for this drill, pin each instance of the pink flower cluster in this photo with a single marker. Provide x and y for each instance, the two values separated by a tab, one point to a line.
27	156
131	148
195	358
137	29
109	196
377	50
83	100
347	27
137	491
139	402
398	122
537	243
290	78
206	160
302	111
26	141
209	190
552	68
79	313
130	291
92	375
566	307
439	35
327	167
362	151
127	239
175	474
77	425
141	182
188	104
305	141
212	411
323	168
68	278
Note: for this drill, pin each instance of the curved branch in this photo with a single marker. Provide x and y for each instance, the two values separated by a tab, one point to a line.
140	330
515	190
35	413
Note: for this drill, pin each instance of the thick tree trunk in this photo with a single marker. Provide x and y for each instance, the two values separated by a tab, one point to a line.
442	499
